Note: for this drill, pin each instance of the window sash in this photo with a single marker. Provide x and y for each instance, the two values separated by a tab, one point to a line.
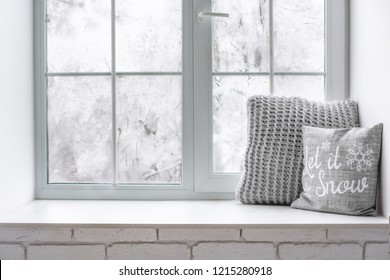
44	189
335	74
198	180
186	164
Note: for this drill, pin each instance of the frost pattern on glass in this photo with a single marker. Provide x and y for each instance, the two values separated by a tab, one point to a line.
230	120
150	129
310	87
79	35
240	42
149	35
79	130
299	35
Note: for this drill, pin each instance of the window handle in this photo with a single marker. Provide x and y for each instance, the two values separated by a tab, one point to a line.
202	15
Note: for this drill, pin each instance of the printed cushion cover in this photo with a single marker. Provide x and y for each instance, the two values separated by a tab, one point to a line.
340	170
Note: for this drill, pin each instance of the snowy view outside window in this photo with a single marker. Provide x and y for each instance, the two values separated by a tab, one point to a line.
250	56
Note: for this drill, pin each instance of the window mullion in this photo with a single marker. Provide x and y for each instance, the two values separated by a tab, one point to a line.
113	75
202	97
337	71
271	47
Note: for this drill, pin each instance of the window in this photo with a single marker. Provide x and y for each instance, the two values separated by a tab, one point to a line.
145	99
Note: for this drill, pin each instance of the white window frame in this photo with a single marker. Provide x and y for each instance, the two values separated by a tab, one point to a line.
198	180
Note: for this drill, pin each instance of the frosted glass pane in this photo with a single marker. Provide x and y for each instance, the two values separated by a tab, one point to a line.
229	118
310	87
149	35
240	42
79	130
79	35
150	129
299	35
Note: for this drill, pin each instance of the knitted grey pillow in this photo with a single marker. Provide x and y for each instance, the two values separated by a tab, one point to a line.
273	163
340	170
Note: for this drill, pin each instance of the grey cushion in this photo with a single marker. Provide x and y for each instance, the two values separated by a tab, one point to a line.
340	170
272	172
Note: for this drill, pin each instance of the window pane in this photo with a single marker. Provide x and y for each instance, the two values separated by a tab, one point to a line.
299	35
78	35
149	35
310	87
229	118
240	42
150	129
79	127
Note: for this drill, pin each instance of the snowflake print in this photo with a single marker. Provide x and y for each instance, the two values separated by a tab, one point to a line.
325	146
360	157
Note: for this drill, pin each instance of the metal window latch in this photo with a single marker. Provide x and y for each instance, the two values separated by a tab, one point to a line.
203	14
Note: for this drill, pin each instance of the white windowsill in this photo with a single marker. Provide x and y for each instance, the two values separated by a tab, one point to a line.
217	213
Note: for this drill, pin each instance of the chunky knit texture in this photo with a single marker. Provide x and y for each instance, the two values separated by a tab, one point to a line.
274	158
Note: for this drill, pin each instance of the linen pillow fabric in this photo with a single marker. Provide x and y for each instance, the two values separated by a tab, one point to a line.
340	170
272	172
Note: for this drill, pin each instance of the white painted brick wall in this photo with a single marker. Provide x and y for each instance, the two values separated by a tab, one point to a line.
66	252
199	234
232	251
320	251
358	234
35	234
148	252
284	234
11	252
377	251
111	235
199	243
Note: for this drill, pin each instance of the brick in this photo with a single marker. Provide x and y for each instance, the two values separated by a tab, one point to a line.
66	252
284	234
358	234
234	251
111	235
346	251
199	234
377	251
148	252
11	252
35	234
